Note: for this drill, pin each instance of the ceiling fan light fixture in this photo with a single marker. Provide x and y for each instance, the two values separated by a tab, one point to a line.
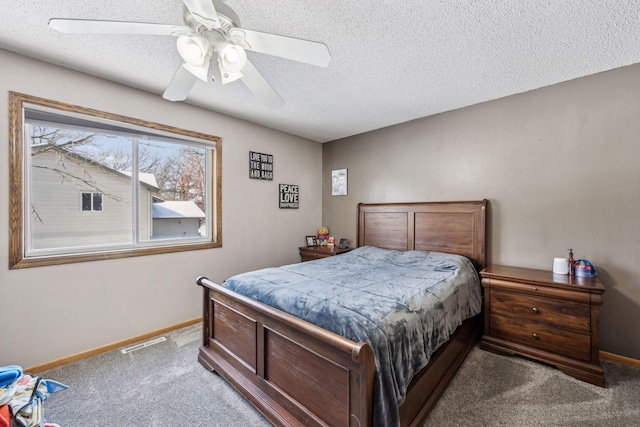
232	58
193	49
208	31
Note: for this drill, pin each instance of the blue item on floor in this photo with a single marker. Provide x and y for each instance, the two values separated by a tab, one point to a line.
9	374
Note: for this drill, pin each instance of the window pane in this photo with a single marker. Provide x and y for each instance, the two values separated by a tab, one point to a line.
65	161
86	201
177	207
97	201
143	188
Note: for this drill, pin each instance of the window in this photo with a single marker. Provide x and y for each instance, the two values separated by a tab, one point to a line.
91	202
144	188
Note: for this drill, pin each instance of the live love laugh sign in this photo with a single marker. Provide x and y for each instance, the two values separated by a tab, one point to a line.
289	196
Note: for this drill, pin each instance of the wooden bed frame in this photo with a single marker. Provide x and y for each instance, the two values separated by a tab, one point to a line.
298	374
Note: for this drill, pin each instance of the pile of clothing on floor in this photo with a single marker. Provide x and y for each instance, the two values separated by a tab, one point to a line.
22	398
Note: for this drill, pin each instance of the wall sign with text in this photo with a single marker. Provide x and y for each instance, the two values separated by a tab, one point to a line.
289	196
260	166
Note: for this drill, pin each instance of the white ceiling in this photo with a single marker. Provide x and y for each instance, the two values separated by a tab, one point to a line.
392	61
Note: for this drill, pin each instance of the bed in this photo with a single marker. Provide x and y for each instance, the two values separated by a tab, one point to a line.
297	373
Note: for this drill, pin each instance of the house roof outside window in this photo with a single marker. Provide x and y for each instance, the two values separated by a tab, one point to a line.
177	209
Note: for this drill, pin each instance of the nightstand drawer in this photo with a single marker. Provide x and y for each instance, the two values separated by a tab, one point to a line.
539	335
562	313
536	289
311	253
310	256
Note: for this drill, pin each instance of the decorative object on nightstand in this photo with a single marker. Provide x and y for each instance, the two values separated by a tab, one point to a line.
583	268
549	317
560	266
572	263
322	236
318	252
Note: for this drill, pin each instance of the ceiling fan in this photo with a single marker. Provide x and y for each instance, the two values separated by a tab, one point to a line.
212	30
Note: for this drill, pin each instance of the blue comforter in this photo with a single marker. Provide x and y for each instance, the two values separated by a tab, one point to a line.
404	304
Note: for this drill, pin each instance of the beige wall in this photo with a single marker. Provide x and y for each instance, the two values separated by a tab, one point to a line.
52	312
560	167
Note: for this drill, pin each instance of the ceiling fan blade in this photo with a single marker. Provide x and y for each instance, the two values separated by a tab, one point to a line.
204	9
114	27
314	53
260	87
180	85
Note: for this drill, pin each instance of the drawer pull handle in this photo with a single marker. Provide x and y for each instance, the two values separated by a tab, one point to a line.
534	335
535	310
534	288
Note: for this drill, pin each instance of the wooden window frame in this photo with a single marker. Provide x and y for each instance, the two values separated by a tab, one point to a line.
17	254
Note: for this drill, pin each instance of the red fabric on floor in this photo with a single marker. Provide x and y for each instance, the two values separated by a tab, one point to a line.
5	417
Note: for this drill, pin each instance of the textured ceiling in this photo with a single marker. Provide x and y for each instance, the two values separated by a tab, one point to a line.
392	61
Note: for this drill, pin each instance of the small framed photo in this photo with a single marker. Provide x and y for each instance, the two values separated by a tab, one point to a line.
311	241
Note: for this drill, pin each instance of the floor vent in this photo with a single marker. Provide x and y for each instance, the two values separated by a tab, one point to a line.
142	345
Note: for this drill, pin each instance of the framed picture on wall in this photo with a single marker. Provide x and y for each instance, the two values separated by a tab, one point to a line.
339	182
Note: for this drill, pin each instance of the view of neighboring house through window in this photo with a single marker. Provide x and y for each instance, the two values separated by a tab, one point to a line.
152	188
91	201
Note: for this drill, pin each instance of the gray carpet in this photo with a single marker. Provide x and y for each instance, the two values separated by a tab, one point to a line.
164	385
492	390
160	386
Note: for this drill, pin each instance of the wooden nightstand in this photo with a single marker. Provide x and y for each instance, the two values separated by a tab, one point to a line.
548	317
309	253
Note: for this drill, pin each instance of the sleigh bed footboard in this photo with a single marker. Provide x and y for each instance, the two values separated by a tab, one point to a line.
293	372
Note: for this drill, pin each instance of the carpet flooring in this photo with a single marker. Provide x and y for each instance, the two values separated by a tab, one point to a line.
164	385
492	390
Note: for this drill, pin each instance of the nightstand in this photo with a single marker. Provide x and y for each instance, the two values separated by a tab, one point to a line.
309	253
544	316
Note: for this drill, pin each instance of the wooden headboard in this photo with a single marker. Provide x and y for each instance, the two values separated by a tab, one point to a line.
452	227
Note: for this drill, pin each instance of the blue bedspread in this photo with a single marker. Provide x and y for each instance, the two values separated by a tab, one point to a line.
404	304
